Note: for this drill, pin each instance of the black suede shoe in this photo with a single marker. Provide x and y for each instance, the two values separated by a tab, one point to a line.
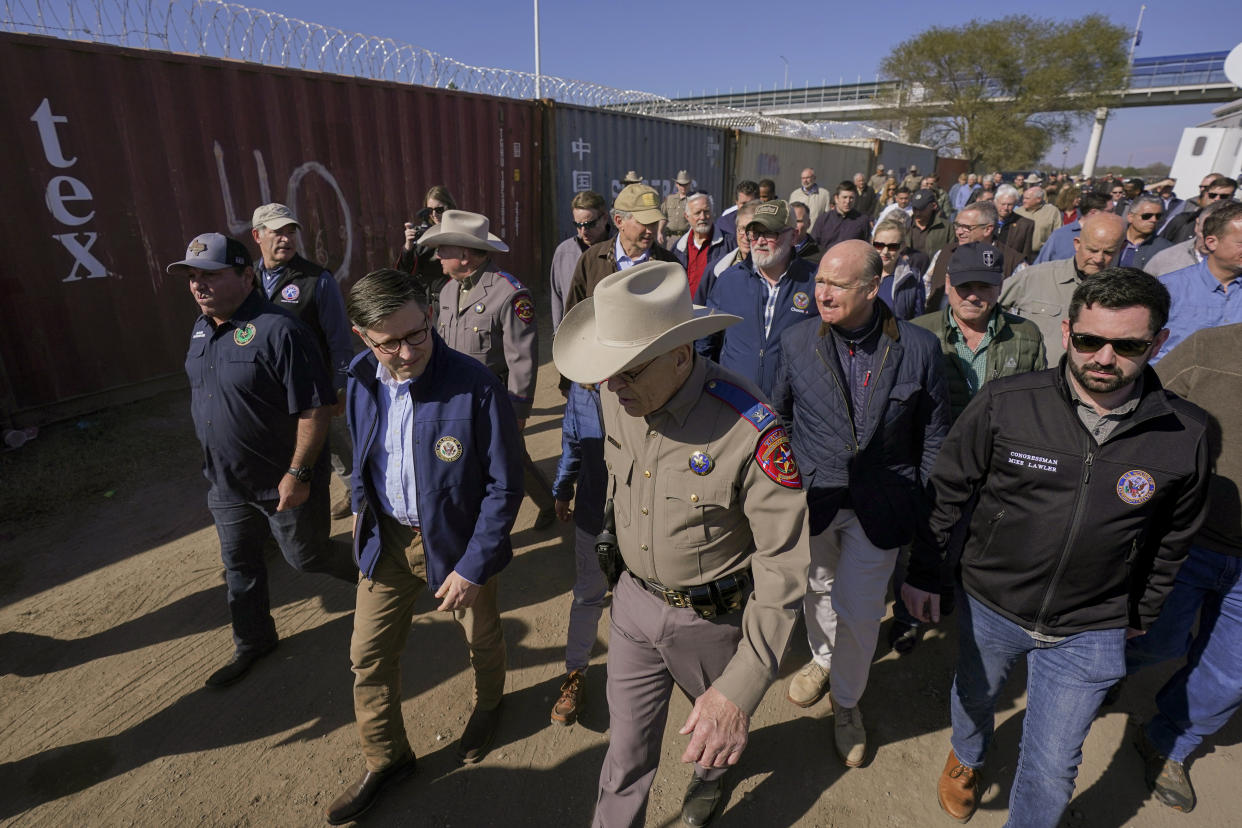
362	794
703	799
237	667
477	738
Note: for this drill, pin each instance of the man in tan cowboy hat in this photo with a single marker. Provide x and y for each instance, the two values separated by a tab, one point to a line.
711	526
675	222
636	215
488	314
631	177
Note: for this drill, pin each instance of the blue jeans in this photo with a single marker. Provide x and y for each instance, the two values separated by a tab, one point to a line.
303	535
1206	692
1066	682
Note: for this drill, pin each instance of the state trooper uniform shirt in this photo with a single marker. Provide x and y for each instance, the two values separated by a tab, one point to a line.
705	487
491	317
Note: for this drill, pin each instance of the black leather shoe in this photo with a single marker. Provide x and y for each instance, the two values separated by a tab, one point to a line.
363	793
903	637
545	518
477	738
703	798
237	667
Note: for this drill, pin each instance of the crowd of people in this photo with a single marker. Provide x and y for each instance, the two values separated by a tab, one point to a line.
802	407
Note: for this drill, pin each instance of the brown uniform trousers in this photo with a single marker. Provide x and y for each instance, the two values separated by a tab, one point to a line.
694	503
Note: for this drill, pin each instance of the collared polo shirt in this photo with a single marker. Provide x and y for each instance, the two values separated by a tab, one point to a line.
1199	301
250	378
1100	425
696	260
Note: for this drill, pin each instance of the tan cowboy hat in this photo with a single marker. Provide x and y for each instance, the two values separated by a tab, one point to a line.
634	316
465	229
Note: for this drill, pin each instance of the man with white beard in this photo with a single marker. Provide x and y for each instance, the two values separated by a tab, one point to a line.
780	286
705	244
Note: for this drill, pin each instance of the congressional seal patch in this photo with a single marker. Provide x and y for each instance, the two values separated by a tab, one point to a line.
701	462
290	293
244	336
524	308
801	300
775	457
448	449
1136	487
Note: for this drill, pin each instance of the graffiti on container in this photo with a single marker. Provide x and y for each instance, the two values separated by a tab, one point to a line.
64	190
241	226
768	165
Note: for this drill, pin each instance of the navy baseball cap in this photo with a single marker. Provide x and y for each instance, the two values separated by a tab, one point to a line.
977	262
211	251
922	199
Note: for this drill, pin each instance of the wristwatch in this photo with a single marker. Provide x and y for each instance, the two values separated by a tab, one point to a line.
302	474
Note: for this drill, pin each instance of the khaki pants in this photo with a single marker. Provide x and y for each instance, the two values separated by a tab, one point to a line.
385	609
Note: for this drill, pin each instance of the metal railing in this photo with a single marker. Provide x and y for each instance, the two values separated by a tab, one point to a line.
212	28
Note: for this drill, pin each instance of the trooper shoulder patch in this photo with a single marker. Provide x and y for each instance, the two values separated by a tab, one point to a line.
752	409
523	308
511	279
775	457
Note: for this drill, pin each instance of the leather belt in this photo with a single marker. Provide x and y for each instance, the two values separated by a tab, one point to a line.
712	600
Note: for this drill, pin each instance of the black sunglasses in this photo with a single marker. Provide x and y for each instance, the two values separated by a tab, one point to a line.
1090	343
587	225
882	246
1150	216
439	211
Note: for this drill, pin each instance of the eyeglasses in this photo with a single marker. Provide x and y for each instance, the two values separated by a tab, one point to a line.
892	248
630	377
391	346
1222	194
1150	216
587	225
439	211
1090	343
770	235
966	228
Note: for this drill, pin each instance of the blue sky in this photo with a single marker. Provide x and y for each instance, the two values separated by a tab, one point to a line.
667	47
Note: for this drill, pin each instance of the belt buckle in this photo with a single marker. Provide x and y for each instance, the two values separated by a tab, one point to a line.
676	599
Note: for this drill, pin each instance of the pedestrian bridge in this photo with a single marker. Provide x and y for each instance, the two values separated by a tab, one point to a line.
1155	81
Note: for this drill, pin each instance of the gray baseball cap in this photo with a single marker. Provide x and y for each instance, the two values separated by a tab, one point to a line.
211	251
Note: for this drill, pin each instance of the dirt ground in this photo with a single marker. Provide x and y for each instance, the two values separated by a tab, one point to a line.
112	612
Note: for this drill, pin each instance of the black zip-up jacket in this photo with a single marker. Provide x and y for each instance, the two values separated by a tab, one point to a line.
1069	535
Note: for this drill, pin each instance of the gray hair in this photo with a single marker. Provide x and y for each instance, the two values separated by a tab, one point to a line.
1009	191
1146	198
621	215
985	209
700	195
1036	191
380	294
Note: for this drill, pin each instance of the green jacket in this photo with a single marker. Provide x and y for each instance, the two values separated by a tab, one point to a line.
1018	347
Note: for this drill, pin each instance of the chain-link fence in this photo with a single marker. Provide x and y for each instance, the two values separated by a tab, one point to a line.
227	30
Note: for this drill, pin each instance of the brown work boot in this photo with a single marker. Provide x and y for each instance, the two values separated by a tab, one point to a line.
808	685
959	789
573	692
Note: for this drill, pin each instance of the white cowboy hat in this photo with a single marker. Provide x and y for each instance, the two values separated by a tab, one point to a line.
465	229
633	316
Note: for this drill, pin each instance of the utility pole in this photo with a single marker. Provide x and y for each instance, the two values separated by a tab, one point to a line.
538	74
782	57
